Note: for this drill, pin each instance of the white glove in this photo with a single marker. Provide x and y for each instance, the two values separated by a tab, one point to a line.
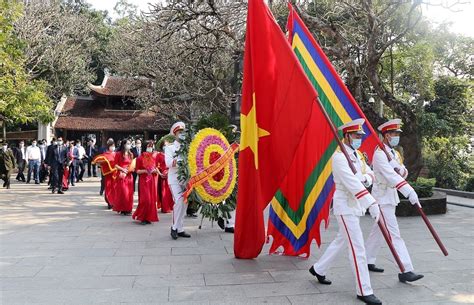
394	164
360	177
374	211
413	198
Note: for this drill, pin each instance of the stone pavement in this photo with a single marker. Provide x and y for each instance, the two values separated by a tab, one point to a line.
68	249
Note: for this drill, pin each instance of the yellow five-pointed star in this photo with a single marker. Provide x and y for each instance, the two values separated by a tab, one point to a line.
251	132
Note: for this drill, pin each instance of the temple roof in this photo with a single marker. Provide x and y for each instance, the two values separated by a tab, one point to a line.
81	113
121	86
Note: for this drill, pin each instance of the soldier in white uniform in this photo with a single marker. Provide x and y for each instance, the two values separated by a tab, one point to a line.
350	202
390	178
176	187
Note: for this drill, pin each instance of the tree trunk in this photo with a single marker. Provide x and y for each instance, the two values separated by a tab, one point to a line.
410	139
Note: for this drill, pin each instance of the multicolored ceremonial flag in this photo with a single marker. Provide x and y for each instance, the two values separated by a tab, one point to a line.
277	100
302	201
333	93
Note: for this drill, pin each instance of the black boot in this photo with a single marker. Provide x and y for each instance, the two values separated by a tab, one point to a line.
174	234
374	268
221	223
370	299
321	278
409	277
229	230
184	234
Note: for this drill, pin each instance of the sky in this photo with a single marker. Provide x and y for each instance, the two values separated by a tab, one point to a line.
460	15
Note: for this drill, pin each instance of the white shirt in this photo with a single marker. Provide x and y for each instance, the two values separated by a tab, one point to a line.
170	156
351	197
388	181
33	153
81	152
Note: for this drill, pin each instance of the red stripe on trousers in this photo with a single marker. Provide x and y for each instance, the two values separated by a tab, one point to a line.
353	255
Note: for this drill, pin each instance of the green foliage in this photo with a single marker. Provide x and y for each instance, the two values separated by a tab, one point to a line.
469	185
413	70
220	122
449	161
423	186
450	113
22	100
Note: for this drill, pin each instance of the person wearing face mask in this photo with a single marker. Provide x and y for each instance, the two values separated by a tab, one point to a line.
106	162
136	151
7	163
20	155
147	169
165	199
390	179
49	159
125	165
43	172
58	162
33	155
177	187
350	202
80	157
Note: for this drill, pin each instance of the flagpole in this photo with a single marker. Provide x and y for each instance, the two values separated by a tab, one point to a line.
344	151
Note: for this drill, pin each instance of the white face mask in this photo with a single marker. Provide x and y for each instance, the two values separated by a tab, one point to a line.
149	149
4	147
33	144
128	146
394	141
60	142
111	148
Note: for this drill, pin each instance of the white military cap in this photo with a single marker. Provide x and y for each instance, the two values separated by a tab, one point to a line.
392	125
177	127
353	126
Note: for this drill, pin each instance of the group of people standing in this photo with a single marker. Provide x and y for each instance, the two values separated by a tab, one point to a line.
121	166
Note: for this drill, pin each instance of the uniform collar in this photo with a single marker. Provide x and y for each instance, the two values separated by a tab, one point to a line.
349	149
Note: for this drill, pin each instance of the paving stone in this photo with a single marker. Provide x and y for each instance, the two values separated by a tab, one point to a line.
169	280
72	250
171	260
237	278
123	269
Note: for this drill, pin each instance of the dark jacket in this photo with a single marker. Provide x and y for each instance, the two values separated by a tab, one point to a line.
18	155
60	155
49	155
7	161
135	152
91	152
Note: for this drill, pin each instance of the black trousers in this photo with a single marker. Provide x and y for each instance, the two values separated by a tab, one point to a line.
57	171
80	169
21	169
6	178
91	168
43	172
102	184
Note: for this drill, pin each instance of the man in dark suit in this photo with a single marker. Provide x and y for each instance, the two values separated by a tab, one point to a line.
136	151
91	152
48	161
20	155
58	161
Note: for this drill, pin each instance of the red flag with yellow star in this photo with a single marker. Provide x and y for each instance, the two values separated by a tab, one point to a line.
277	101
